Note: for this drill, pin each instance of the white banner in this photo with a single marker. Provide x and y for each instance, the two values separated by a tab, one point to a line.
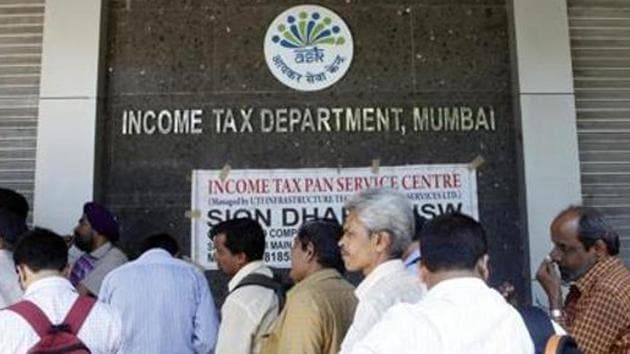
282	199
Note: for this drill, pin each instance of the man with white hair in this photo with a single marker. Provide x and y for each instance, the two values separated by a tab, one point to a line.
377	230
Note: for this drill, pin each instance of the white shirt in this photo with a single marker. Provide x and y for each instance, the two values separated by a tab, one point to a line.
388	284
10	291
247	313
457	316
101	332
182	319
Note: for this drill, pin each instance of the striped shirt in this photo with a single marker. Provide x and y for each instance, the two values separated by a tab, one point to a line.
165	303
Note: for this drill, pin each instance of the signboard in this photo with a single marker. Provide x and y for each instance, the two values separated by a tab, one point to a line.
282	199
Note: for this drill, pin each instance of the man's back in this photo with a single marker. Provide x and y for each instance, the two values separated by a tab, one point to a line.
315	319
247	314
459	316
101	332
165	304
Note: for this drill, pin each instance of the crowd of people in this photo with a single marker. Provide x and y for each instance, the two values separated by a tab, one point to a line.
424	288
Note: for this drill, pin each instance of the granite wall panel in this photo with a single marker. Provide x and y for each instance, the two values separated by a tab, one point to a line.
207	54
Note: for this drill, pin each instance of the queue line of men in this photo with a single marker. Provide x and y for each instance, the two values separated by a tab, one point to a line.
148	302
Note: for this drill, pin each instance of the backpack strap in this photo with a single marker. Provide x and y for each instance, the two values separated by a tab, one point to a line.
264	281
33	315
538	325
552	344
78	313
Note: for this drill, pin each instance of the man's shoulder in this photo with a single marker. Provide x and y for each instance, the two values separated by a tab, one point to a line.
614	284
116	254
321	291
616	276
9	319
114	258
400	285
104	313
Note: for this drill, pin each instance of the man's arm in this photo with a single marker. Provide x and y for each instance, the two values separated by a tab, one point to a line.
365	317
549	278
236	330
117	333
205	323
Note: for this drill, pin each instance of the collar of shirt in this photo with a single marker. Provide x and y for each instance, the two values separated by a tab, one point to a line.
596	272
154	254
454	286
381	271
48	283
412	258
250	267
102	250
312	279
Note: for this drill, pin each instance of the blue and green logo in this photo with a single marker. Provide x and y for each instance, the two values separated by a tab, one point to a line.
308	31
308	48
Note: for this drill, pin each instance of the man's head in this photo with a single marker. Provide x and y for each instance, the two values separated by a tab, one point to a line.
581	236
453	245
378	227
162	241
315	247
14	202
39	253
12	225
237	242
96	227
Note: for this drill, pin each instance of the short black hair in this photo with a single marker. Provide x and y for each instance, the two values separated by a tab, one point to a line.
14	201
41	249
242	235
419	220
12	226
161	240
452	242
324	234
592	227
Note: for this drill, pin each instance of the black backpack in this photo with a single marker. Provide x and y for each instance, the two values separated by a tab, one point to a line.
543	335
267	282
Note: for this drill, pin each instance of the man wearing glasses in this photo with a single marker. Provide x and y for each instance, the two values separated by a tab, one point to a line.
596	310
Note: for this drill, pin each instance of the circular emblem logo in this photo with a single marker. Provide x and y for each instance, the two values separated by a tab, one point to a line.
308	48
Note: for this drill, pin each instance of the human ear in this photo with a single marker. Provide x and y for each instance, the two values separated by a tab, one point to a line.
425	276
600	248
241	259
22	273
382	240
310	251
66	271
483	267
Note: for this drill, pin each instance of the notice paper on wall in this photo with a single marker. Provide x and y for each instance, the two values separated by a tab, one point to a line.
280	200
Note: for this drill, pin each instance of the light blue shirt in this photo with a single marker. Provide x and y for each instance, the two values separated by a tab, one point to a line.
165	305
